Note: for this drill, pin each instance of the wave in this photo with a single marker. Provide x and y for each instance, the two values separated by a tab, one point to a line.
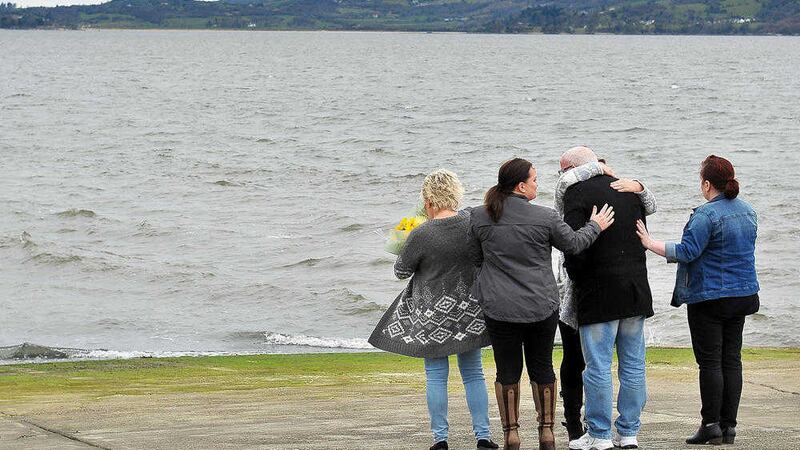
381	262
308	262
752	151
72	212
352	303
25	239
629	130
128	354
411	176
148	230
313	341
352	227
53	259
226	183
27	350
33	353
282	236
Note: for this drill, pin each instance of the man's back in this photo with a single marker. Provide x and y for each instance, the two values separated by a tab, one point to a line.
611	276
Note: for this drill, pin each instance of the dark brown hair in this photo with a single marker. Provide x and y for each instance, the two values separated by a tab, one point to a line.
719	172
510	175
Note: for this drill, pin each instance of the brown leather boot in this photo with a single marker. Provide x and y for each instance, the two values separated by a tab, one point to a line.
544	397
508	403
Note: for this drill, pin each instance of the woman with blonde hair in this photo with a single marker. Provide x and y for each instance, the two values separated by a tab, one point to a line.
434	316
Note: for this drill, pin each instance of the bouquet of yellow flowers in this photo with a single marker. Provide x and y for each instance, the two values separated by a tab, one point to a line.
396	238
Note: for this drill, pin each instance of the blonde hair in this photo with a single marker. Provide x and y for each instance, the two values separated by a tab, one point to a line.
442	189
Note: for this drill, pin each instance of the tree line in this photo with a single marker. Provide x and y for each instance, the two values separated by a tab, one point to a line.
512	16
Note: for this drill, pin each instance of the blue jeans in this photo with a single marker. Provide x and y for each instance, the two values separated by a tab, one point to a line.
597	342
436	373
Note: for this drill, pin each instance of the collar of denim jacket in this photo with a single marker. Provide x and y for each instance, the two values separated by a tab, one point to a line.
718	197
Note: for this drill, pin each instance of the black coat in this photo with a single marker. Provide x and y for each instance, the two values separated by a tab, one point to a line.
610	277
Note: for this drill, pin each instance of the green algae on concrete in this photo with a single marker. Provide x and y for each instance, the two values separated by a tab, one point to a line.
145	376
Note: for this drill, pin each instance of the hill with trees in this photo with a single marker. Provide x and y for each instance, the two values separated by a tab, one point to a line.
492	16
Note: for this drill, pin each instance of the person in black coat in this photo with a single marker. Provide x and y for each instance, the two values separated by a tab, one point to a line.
613	299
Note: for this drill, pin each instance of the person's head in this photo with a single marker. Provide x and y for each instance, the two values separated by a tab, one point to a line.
442	190
718	177
576	156
515	176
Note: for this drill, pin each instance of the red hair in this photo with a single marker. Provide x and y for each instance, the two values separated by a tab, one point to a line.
719	172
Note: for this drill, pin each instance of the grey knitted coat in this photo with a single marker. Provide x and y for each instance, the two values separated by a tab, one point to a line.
434	316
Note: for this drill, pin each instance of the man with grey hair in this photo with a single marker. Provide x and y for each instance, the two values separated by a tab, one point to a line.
612	298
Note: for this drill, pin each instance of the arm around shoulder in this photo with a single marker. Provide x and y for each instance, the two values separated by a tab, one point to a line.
648	200
564	237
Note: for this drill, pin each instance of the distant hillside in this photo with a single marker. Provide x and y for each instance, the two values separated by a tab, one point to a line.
657	17
495	16
413	15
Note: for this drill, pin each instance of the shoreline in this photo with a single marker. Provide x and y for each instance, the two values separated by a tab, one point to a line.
99	355
82	355
314	30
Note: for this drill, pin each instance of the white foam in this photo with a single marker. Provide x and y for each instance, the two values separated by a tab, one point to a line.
313	341
119	354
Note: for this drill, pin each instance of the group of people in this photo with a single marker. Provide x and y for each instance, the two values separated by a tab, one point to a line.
484	276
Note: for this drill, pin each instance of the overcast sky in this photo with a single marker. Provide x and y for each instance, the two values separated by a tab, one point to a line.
26	3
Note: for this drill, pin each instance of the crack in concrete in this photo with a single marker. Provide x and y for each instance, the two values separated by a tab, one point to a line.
773	388
55	431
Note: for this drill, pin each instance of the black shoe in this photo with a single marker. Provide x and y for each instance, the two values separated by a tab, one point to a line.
728	435
707	434
484	444
441	445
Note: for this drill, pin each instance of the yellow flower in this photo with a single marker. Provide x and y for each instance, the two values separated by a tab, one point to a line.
409	223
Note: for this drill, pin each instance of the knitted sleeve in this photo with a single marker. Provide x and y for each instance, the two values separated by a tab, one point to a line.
409	257
570	177
648	200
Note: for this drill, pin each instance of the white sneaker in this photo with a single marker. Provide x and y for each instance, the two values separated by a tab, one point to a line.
587	442
625	441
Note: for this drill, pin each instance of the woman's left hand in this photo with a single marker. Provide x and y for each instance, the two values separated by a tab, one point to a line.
644	235
627	185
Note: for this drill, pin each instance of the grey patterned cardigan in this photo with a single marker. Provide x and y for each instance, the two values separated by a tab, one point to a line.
434	316
567	313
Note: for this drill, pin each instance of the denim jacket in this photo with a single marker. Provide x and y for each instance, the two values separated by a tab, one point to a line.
716	255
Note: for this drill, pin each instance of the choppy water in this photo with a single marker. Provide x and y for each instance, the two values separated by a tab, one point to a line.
221	191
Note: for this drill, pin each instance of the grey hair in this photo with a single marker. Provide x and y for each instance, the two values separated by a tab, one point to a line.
442	189
577	156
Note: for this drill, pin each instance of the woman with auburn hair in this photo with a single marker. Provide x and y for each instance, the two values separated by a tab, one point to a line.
717	281
434	316
516	288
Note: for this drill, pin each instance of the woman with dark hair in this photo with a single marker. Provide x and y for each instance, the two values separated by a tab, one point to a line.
717	280
515	286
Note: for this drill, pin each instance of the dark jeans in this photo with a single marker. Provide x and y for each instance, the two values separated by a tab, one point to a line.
572	366
716	328
510	340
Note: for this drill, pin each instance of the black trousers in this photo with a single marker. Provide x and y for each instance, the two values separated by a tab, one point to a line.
716	328
511	340
571	373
